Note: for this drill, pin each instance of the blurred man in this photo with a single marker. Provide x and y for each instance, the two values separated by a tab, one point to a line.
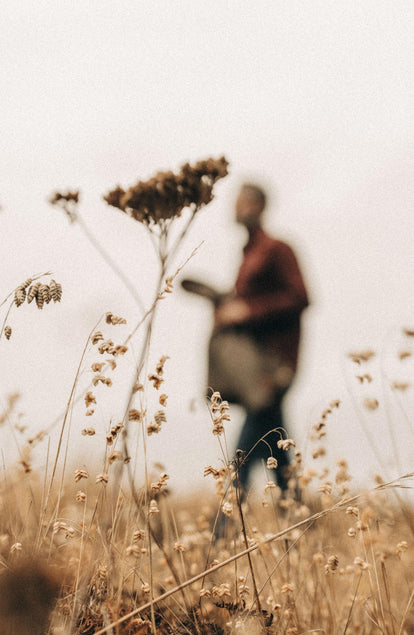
264	308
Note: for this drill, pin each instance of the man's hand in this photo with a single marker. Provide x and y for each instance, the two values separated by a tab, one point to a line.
231	312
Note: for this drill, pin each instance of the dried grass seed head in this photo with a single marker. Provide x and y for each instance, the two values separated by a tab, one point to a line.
110	318
361	356
32	293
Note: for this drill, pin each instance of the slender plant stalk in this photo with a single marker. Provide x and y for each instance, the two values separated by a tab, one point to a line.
106	256
239	506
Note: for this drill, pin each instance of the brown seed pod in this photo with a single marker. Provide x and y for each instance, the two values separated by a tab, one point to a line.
19	295
39	298
7	332
27	283
55	291
44	291
33	291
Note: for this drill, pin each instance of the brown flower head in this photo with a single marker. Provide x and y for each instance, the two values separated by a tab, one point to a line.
166	194
67	201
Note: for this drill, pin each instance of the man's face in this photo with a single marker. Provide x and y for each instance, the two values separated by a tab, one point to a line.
248	208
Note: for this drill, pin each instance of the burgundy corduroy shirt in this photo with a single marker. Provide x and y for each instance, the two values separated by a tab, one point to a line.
270	282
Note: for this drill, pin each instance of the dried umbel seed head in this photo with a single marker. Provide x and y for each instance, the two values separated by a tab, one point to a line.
7	332
164	196
67	201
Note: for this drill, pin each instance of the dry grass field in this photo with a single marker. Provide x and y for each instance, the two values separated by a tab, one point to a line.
87	549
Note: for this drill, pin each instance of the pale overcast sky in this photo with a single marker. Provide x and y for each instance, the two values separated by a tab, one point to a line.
313	99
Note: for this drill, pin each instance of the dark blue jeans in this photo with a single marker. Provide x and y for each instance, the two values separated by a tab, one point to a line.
257	424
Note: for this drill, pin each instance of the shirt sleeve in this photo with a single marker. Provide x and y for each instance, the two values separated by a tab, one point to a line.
287	293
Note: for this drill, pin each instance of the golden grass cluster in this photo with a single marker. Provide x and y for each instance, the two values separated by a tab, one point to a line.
99	559
91	548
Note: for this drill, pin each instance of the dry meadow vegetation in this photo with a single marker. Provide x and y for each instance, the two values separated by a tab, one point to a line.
99	550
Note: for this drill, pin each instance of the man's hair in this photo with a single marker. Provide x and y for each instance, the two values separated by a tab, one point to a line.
257	191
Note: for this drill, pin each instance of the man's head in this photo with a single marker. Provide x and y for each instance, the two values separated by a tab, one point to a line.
250	204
